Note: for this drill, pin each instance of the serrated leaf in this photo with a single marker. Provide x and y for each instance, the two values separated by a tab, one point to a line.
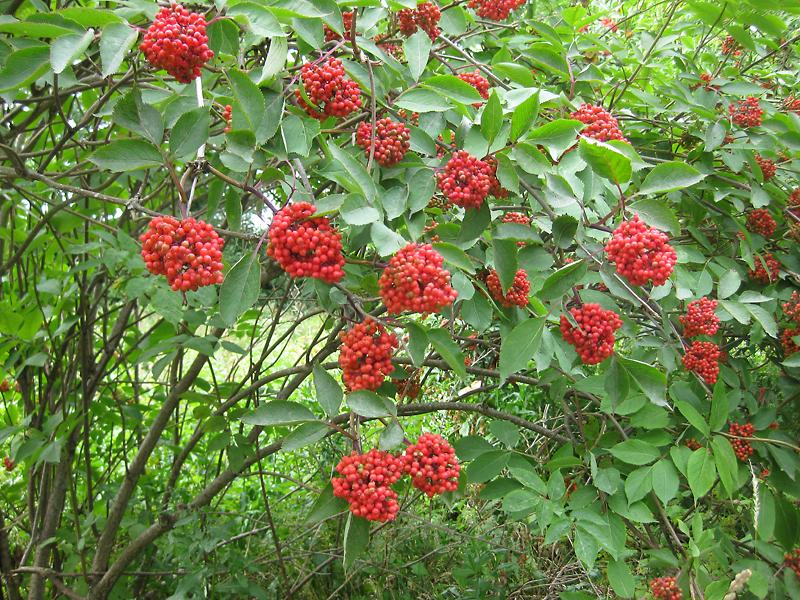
621	579
649	379
371	405
240	289
417	48
700	472
446	348
719	407
524	116
455	256
605	160
189	133
726	463
665	480
519	346
669	177
728	284
487	466
279	412
115	42
357	173
505	261
326	505
657	214
694	417
453	87
329	393
66	49
561	281
635	452
127	155
305	435
356	539
24	67
556	136
492	117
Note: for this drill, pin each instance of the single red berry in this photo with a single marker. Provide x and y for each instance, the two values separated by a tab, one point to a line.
593	338
642	254
177	42
600	125
703	358
465	180
366	355
516	295
306	246
760	274
415	281
666	588
392	140
746	113
700	318
366	481
426	17
495	10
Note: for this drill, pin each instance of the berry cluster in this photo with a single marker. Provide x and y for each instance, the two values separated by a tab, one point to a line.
426	17
432	465
495	10
8	464
478	81
700	318
465	180
746	113
306	246
666	588
177	42
792	308
593	338
767	166
366	355
328	88
516	295
518	218
188	252
692	444
761	222
495	188
741	448
703	358
792	561
347	20
410	387
414	280
609	24
227	116
641	253
794	199
366	484
760	274
388	47
792	104
731	46
600	125
391	140
787	341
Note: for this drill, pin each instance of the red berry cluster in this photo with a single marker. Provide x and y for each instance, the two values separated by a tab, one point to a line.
227	116
388	47
703	358
426	17
692	444
306	246
495	10
410	387
414	280
432	465
666	588
794	199
177	42
392	140
792	561
787	341
746	113
767	166
347	20
593	338
8	464
600	125
495	188
366	355
642	254
478	81
792	104
792	308
760	274
700	318
761	222
366	484
465	180
742	448
610	24
519	218
731	46
188	252
516	295
329	89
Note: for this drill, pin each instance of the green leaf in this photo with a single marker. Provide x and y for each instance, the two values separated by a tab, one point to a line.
492	117
356	539
115	42
719	407
357	173
370	405
665	480
471	447
649	379
728	284
638	484
605	160
326	505
669	177
305	435
127	155
279	412
391	436
329	393
417	342
90	17
635	452
694	417
417	48
423	100
455	256
189	133
715	135
487	466
454	88
586	547
621	579
524	116
764	319
249	100
700	472
561	281
240	289
448	350
387	241
657	214
66	49
564	229
506	432
727	465
505	261
23	67
519	346
556	136
257	19
356	211
136	116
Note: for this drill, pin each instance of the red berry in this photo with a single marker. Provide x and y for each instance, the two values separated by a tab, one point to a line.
741	448
760	274
517	294
642	254
414	280
432	465
478	81
593	338
731	46
700	318
188	252
692	444
4	386
792	104
792	308
610	24
365	484
177	42
465	180
787	341
8	463
746	113
426	17
366	355
306	246
666	588
761	222
703	358
495	10
347	20
600	125
792	561
410	387
328	88
392	140
768	168
518	218
495	189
